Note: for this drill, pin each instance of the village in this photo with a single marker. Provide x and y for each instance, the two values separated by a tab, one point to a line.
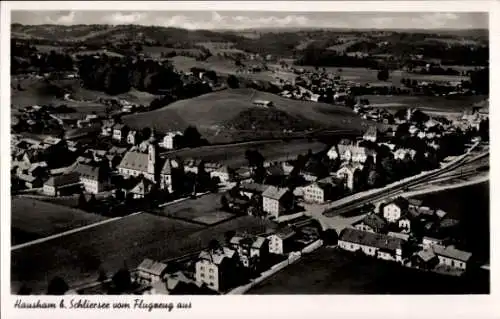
110	169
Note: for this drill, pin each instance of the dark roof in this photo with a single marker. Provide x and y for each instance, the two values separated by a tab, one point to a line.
371	239
401	202
374	221
90	171
452	252
135	161
285	233
275	192
63	180
253	187
152	267
276	170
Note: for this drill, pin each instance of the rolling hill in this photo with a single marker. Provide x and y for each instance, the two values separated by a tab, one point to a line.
233	111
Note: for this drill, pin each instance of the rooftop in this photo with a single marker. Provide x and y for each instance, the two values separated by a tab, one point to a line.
64	180
152	267
371	239
452	252
275	192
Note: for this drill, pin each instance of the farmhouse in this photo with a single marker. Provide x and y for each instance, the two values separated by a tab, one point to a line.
322	190
150	271
450	256
251	250
350	153
372	223
372	244
62	184
396	209
217	268
348	174
276	201
93	177
282	242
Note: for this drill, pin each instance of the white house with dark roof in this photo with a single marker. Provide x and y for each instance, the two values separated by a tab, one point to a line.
276	201
372	244
168	140
57	184
281	242
150	271
452	257
217	268
347	173
92	176
251	249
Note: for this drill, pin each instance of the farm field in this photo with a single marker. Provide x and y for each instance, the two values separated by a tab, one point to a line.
205	210
41	219
78	257
234	155
212	111
330	271
425	103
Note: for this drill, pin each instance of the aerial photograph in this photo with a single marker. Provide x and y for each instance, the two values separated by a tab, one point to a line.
250	152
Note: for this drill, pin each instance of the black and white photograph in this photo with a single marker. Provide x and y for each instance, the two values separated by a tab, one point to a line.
249	153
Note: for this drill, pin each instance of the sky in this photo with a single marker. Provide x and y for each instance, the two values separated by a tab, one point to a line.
253	19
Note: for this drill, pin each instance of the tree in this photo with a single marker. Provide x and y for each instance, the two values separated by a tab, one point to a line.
191	137
383	75
484	130
224	202
24	290
214	245
92	202
122	280
330	237
57	286
254	158
82	201
374	179
233	82
228	235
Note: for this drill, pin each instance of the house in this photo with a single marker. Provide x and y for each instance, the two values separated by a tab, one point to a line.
402	236
264	103
402	153
429	242
277	201
425	259
252	250
132	137
178	283
450	256
150	271
251	189
372	223
168	140
30	181
396	209
107	129
93	177
281	242
217	268
348	174
371	134
224	173
62	184
322	190
120	132
404	224
141	189
351	153
372	244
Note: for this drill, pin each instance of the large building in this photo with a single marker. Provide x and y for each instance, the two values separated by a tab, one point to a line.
252	250
277	201
149	165
282	242
217	268
351	153
93	177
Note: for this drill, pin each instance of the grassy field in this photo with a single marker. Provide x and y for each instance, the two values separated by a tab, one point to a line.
156	51
329	271
210	112
234	155
77	257
41	219
425	103
206	210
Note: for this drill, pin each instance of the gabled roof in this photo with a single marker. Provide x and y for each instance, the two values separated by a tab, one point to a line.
452	252
143	187
355	150
275	192
426	254
135	161
218	256
401	202
371	239
285	233
402	236
253	187
152	267
63	180
374	221
89	171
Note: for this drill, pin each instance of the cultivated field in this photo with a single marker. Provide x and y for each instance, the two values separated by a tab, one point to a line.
40	219
77	257
330	271
214	111
234	155
205	210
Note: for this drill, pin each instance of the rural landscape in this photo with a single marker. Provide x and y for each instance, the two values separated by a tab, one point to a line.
153	159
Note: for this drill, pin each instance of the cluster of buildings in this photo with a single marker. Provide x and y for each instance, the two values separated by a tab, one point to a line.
406	232
221	268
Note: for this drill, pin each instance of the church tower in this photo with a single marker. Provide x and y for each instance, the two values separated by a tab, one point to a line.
152	156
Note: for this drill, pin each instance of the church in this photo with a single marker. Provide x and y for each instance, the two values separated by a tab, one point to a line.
138	162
